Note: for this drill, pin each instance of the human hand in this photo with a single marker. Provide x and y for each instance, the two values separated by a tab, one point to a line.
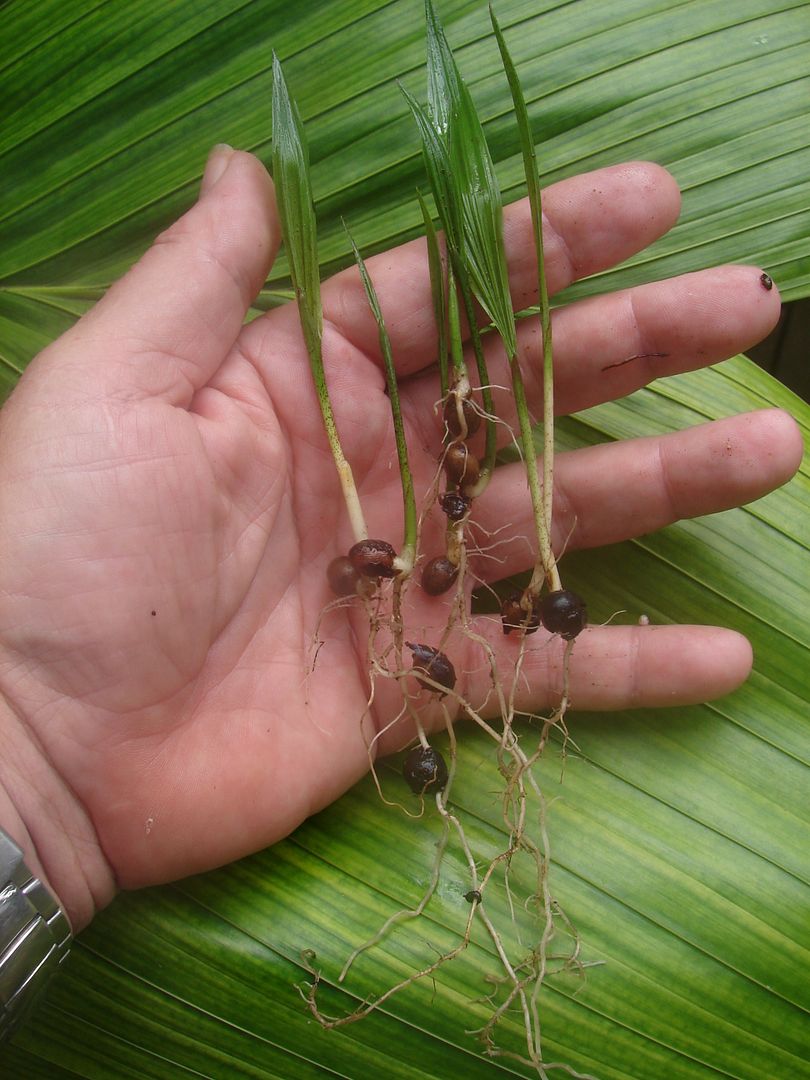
169	506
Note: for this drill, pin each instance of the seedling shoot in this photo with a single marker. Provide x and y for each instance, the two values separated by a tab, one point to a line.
372	580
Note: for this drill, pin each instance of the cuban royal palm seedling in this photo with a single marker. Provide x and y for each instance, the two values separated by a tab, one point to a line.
468	272
368	558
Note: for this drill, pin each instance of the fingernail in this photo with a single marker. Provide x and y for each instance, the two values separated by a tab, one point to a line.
216	165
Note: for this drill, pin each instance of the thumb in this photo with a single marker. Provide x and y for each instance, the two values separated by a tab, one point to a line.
167	325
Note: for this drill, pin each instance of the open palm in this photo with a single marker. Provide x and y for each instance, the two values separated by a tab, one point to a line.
169	506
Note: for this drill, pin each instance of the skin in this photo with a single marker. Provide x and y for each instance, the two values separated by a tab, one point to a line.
168	507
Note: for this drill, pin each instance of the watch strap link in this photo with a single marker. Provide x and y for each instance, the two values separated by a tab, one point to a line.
35	936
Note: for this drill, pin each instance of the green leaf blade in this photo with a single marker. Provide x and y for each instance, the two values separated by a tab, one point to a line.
473	185
438	168
408	550
295	206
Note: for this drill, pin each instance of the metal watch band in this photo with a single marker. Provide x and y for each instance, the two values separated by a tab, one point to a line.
35	936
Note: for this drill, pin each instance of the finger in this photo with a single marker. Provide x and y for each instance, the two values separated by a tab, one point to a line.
591	222
609	668
608	346
605	494
612	667
614	344
165	327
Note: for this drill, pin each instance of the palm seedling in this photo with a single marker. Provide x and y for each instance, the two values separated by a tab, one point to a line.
467	268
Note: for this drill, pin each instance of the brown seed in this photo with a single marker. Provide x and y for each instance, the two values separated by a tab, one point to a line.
438	576
373	559
424	770
472	417
766	281
342	576
460	466
512	613
455	506
434	664
515	617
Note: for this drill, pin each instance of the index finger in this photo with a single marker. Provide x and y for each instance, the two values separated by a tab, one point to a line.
590	223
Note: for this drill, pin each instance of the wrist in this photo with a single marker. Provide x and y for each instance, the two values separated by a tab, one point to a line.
42	815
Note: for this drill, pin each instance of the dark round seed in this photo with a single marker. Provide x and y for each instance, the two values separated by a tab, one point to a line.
454	505
342	576
373	559
473	896
424	770
563	612
766	281
438	576
511	613
515	617
472	416
460	466
434	664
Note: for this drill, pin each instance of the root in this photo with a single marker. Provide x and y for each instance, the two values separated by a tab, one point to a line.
406	913
524	965
525	968
425	682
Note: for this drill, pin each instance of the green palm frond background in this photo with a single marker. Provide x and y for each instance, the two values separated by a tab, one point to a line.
680	837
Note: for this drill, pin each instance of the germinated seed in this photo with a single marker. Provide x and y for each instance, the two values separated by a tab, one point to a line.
563	612
460	466
424	770
434	664
438	576
472	418
515	617
373	559
342	576
454	505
